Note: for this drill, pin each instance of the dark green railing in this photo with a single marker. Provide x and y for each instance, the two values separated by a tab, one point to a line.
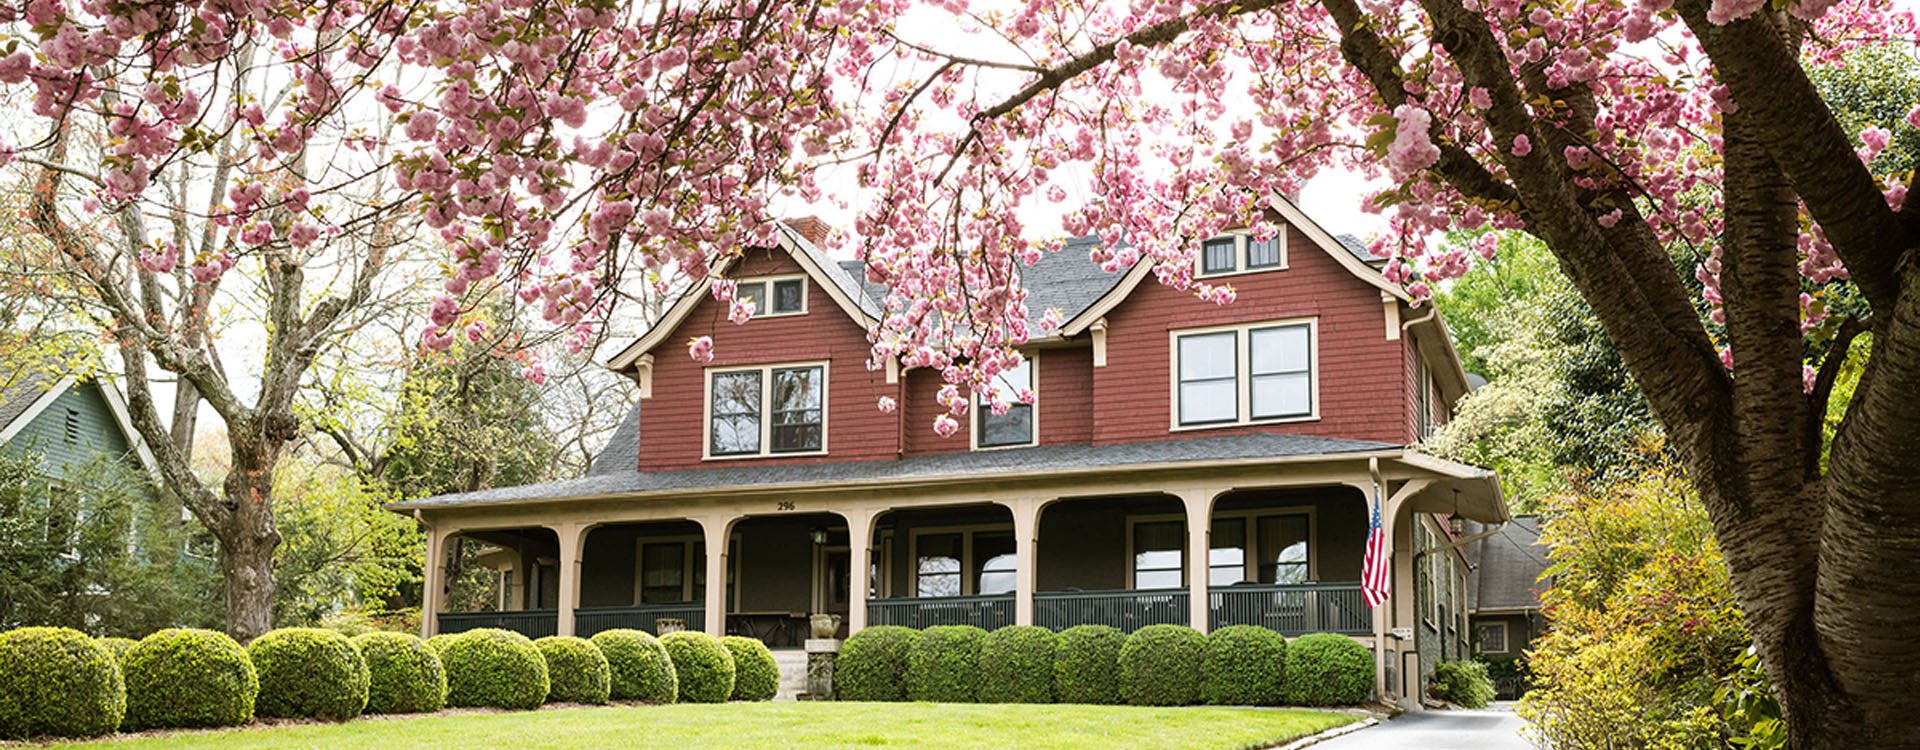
590	620
532	623
1293	609
989	612
1126	610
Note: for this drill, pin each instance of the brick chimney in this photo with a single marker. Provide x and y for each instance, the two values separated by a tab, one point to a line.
812	228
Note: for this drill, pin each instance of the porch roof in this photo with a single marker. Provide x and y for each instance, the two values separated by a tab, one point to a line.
998	464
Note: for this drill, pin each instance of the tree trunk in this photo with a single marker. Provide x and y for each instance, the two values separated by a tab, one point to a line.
246	563
248	542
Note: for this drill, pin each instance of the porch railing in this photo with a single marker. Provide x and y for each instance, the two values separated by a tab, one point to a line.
532	623
590	620
1126	610
1293	609
988	612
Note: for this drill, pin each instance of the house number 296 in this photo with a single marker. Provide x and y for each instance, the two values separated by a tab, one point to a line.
784	505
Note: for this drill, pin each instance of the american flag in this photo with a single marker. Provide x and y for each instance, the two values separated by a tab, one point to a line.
1373	570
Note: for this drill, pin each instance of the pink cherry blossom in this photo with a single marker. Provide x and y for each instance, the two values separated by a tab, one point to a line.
701	349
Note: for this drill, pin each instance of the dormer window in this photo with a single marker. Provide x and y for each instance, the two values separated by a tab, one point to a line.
1240	252
775	296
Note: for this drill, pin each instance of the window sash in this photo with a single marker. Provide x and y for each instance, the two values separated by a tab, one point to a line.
767	410
1263	253
797	413
735	418
1159	555
789	296
1245	374
1219	255
1016	427
1203	400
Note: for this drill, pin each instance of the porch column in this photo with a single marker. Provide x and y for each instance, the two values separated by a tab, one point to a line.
859	566
1199	504
433	590
1026	536
716	528
571	535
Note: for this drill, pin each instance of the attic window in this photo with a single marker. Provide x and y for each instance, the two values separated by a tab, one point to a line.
775	296
1239	252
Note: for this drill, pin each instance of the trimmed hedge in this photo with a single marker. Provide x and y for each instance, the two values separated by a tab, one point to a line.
1160	666
704	666
178	678
1245	667
944	664
1328	669
756	676
1016	665
309	673
439	642
404	675
1464	682
58	682
1086	664
494	668
576	668
872	665
118	647
640	667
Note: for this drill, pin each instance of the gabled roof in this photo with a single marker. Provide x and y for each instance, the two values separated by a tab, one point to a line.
844	289
26	392
1507	568
1064	279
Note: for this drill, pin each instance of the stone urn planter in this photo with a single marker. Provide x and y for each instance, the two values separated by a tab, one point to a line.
825	626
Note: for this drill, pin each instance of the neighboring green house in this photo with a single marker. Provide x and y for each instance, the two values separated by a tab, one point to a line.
1504	599
69	421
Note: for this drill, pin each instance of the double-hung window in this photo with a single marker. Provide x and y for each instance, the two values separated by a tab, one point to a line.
1240	252
774	297
1016	426
963	561
767	410
1254	373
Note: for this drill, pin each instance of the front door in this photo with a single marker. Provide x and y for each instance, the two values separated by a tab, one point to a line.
832	586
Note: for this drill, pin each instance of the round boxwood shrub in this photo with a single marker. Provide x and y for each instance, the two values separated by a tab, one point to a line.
189	678
640	667
118	647
404	675
1160	666
309	673
872	665
57	682
439	642
490	667
1016	665
1328	669
944	664
756	676
577	668
1245	664
703	664
1086	664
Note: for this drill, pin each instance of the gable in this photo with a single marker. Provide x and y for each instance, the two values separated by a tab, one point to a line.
75	426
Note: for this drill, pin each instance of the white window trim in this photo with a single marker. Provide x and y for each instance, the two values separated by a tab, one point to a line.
1243	378
1241	239
1479	644
966	532
766	404
767	295
1251	563
687	559
973	420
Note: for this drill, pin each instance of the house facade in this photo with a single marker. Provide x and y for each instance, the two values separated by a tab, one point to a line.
746	494
1504	599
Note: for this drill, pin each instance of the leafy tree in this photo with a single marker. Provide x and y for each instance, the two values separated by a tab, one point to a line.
98	551
344	556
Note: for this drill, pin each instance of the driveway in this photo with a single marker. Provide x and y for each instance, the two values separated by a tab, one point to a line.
1493	729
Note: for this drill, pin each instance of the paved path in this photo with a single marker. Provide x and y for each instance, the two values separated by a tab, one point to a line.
1493	729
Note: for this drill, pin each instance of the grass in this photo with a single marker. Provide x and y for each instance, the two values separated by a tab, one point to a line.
784	725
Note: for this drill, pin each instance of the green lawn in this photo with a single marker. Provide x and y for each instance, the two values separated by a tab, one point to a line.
783	725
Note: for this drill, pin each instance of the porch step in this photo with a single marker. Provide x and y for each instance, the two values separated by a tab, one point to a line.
793	674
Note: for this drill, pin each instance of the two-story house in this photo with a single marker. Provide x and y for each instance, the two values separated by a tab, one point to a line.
745	494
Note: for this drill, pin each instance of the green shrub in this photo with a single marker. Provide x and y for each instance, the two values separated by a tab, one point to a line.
756	676
1327	669
405	676
944	664
1245	667
1016	665
189	678
308	673
641	668
1464	683
1086	664
703	665
439	642
577	669
872	665
494	668
1160	666
118	647
57	682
